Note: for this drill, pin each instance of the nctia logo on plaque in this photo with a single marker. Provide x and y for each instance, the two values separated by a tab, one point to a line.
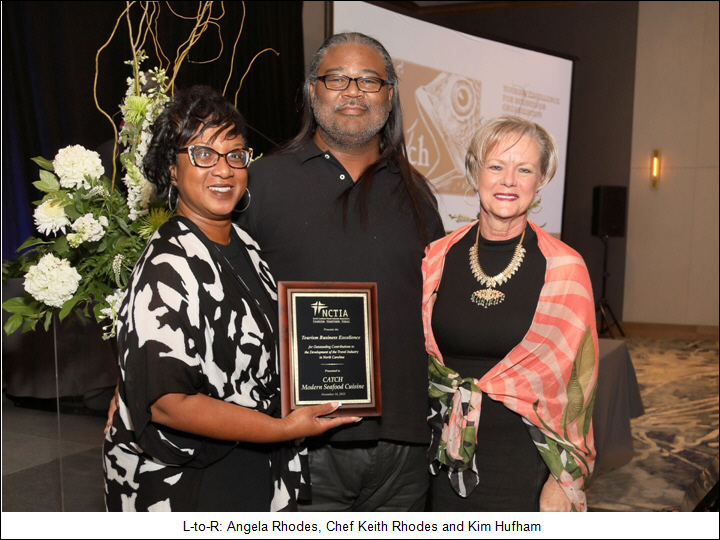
329	346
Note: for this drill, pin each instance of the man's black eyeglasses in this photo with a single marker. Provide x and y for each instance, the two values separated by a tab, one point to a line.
341	82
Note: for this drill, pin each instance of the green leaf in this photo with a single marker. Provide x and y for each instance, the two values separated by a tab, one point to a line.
60	246
80	204
48	320
97	311
71	212
98	290
104	289
123	226
29	324
124	277
67	306
32	241
20	306
47	183
13	323
44	163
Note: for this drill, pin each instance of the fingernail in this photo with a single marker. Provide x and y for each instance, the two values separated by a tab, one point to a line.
358	419
336	404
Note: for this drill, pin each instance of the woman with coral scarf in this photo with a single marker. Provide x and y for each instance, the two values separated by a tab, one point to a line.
511	340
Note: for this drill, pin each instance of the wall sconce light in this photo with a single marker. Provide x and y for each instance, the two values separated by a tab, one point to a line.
655	172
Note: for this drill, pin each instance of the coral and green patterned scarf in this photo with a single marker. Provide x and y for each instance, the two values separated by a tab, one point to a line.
549	378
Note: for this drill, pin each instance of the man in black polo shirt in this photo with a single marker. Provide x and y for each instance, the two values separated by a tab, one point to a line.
341	202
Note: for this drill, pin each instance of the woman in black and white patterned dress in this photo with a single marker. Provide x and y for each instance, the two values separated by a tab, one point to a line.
197	424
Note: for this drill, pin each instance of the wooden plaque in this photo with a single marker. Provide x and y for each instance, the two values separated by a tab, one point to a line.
329	346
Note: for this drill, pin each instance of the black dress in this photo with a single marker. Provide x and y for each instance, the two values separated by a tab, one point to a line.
223	487
191	323
472	340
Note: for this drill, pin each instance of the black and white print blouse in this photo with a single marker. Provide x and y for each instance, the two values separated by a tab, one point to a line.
188	325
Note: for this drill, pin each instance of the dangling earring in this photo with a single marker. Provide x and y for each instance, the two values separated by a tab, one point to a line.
475	199
537	205
170	197
247	205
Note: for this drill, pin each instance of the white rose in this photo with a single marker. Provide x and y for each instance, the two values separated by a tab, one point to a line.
72	163
50	217
52	280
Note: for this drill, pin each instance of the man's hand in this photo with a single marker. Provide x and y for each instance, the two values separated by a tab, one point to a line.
553	498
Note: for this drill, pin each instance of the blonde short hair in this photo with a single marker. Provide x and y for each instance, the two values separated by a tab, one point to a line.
495	130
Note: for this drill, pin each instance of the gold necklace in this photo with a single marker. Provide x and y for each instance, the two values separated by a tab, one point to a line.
491	296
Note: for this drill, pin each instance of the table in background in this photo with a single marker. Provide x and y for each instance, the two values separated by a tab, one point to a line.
85	366
617	400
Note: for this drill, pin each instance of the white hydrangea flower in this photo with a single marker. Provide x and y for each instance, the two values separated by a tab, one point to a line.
87	229
52	280
72	163
50	217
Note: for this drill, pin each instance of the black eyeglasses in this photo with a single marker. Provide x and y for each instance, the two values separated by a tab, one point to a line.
202	156
341	82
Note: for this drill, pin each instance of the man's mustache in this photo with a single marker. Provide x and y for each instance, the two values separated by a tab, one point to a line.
351	103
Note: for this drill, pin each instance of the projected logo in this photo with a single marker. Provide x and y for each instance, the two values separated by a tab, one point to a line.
441	112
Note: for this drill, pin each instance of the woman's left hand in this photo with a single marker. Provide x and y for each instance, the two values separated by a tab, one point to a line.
553	498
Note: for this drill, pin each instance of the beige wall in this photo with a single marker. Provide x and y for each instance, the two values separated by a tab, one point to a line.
313	29
671	273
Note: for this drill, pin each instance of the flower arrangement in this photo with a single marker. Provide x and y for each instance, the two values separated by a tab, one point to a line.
99	232
93	233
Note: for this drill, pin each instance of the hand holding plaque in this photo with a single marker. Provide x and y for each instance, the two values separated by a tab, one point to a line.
329	346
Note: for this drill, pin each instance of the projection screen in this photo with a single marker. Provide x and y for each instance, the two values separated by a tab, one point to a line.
450	83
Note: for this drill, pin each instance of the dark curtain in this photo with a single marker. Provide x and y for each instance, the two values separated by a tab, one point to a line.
49	53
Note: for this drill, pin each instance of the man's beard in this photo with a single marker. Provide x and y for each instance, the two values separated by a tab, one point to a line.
375	120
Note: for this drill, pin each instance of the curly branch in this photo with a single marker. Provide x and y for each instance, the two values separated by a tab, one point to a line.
97	104
248	69
232	58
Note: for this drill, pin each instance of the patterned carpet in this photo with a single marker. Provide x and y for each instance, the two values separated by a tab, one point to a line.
676	438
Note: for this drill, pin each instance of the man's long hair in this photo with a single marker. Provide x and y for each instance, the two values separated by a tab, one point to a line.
392	137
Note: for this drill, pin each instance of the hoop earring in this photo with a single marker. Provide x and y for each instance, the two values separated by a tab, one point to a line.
476	199
170	197
537	205
247	205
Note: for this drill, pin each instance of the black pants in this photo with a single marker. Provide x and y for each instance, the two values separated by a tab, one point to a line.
368	476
